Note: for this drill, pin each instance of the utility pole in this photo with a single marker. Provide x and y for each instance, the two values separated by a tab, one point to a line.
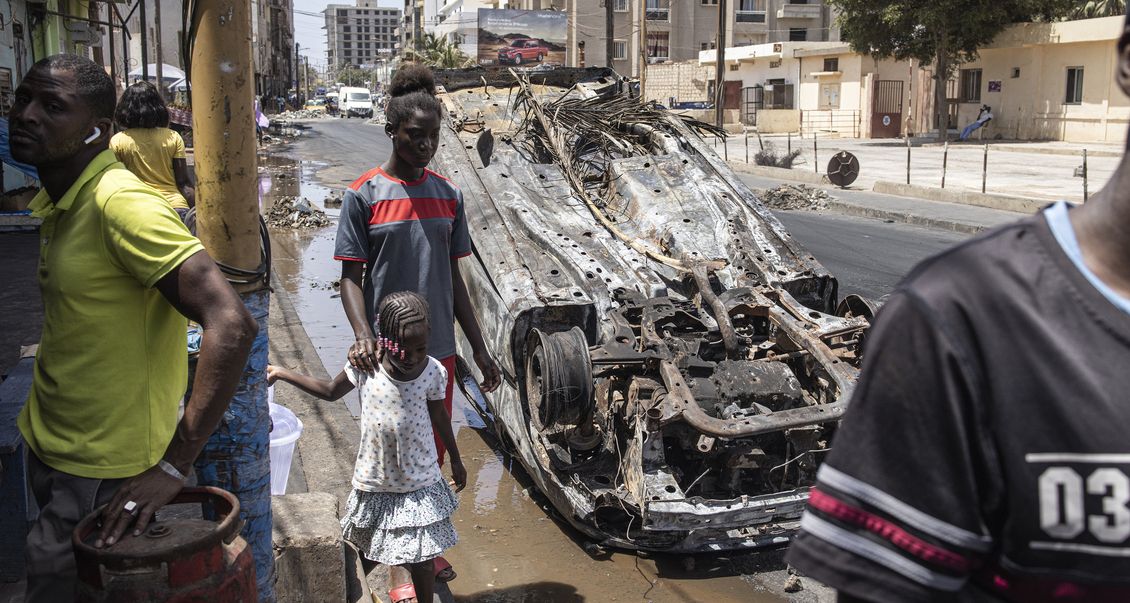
720	67
609	32
160	55
144	42
228	224
643	47
296	60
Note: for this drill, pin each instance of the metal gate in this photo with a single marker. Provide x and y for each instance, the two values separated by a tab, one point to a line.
886	109
753	99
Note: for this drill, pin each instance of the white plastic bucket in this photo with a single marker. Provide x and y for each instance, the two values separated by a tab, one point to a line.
284	436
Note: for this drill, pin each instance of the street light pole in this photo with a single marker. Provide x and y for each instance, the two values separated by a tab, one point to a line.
227	216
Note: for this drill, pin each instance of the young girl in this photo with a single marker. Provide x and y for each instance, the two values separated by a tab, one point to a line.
399	512
403	228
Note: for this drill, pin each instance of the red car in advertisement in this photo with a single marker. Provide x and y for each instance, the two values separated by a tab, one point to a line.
522	50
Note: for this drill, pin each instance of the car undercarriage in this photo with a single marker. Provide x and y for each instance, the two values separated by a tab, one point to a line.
674	363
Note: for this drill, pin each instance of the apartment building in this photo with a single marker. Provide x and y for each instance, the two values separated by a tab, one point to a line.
677	30
362	35
411	24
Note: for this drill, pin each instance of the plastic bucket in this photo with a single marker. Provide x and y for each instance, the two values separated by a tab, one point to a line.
284	436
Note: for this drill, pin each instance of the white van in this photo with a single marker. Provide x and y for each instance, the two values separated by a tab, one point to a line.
355	101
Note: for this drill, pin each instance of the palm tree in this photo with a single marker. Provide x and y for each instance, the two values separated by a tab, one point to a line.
440	53
1100	8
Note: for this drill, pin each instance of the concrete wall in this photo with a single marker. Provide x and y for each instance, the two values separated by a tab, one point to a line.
778	121
1032	105
685	82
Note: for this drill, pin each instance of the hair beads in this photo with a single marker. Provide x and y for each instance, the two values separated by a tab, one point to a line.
397	312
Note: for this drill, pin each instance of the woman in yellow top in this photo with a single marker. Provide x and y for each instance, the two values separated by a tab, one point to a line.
150	149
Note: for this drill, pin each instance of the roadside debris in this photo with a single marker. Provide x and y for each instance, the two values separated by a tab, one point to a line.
298	114
793	584
334	200
291	212
795	197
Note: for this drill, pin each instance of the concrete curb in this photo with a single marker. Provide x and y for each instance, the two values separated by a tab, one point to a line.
963	197
861	211
779	173
330	434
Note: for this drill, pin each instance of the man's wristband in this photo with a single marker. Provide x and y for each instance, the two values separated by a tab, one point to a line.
173	472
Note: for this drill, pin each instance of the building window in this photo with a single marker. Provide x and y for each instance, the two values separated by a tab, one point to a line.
658	45
619	50
798	34
620	6
1074	86
708	46
710	2
832	64
970	85
751	11
658	10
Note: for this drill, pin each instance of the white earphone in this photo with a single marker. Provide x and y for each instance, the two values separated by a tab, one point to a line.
93	136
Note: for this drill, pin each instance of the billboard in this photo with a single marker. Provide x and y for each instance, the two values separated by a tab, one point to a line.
509	37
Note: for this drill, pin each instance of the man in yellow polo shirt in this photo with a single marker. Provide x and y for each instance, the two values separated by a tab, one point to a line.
118	272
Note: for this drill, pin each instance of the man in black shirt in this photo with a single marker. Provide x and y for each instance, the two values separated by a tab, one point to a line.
986	453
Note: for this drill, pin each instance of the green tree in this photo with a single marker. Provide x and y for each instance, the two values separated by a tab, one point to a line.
1099	8
945	33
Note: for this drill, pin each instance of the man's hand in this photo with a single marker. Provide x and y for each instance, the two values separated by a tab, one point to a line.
272	374
364	354
149	491
492	377
459	474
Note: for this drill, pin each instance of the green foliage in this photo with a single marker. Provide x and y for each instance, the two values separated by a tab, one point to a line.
439	53
914	29
942	33
1099	8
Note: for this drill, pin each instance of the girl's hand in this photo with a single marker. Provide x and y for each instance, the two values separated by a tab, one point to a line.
459	474
492	377
364	355
272	374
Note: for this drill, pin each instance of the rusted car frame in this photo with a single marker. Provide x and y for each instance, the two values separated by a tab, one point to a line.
674	363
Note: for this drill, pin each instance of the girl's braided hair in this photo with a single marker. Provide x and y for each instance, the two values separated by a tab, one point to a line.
412	89
395	314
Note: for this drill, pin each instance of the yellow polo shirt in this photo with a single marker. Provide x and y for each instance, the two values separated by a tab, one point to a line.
149	153
112	363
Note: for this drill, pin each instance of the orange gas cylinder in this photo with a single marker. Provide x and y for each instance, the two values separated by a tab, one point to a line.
176	560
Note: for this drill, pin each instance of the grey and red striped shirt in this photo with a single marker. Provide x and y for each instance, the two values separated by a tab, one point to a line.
407	234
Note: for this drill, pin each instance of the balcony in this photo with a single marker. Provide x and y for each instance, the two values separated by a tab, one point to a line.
658	10
800	11
750	16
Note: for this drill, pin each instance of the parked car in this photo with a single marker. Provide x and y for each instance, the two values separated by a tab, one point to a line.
522	50
355	102
317	105
674	363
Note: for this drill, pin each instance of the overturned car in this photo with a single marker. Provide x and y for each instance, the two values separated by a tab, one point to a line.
674	364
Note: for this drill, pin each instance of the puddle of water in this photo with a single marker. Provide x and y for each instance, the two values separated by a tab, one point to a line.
511	549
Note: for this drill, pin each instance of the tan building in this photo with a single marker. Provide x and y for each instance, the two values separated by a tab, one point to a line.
815	87
1044	81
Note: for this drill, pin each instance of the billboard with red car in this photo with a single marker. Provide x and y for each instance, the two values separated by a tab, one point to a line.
522	38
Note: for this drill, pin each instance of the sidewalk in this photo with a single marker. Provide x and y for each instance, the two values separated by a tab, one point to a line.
1034	170
965	219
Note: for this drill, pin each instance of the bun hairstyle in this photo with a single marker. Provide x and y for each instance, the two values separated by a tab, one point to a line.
413	88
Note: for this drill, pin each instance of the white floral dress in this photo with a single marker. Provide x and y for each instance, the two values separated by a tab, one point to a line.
400	509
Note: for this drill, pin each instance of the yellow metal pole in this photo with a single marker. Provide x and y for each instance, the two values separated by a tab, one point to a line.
223	123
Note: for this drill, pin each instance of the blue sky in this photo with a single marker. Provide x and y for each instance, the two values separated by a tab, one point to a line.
308	32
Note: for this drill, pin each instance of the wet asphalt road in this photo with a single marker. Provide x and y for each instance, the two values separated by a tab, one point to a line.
511	548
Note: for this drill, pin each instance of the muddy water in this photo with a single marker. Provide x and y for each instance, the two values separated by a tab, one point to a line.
511	549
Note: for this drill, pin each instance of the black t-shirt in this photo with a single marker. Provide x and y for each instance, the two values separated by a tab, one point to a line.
986	454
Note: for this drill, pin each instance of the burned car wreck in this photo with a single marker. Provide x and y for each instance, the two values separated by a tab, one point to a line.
674	363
